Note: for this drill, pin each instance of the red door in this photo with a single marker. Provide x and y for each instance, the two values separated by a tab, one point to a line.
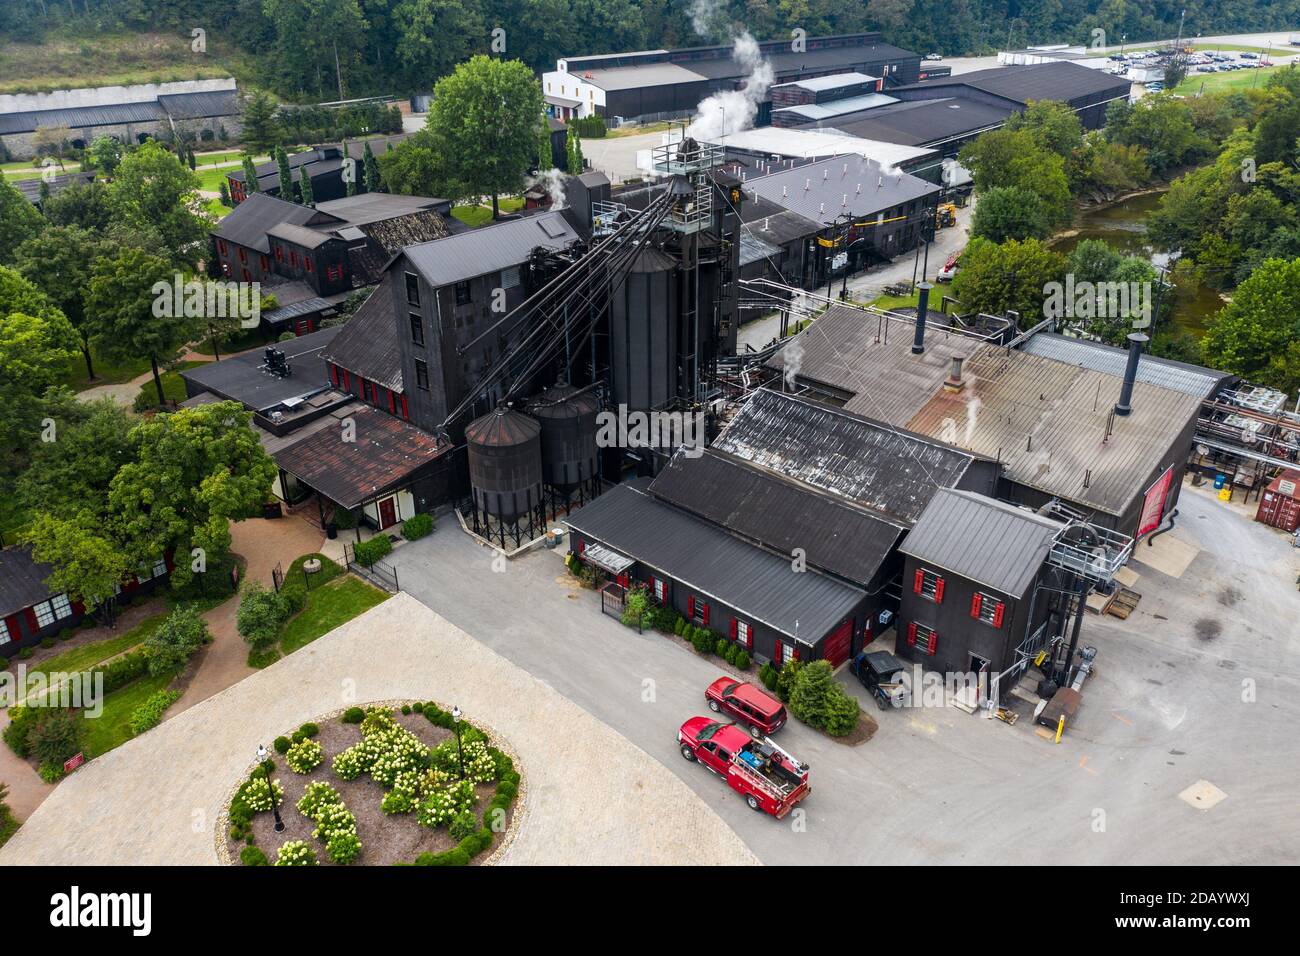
387	513
837	646
1153	507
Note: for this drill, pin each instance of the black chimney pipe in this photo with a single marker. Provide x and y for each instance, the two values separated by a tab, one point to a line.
922	305
1135	342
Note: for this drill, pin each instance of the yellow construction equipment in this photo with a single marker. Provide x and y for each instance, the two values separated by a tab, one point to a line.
945	215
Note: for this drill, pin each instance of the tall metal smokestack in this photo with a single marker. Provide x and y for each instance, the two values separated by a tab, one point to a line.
1135	342
922	306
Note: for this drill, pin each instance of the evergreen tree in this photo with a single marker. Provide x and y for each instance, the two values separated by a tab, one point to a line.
371	170
225	194
190	158
304	189
261	130
544	147
250	176
350	179
574	148
286	174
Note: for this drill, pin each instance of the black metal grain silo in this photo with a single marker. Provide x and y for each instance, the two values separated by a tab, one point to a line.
505	462
644	319
568	420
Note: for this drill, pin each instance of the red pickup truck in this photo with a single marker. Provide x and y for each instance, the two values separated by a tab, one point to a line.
767	777
760	712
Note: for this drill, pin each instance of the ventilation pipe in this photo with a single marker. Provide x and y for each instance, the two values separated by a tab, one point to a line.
1135	342
922	305
954	382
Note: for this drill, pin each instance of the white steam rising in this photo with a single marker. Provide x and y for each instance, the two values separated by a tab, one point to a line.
731	111
552	180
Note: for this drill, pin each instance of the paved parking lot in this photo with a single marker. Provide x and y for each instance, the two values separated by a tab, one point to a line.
1199	684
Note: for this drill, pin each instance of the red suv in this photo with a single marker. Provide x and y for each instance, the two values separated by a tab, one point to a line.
755	709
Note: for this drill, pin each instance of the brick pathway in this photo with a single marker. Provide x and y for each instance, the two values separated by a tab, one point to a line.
591	796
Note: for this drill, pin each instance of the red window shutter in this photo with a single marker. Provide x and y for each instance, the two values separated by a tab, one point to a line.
334	373
975	604
938	590
307	261
279	253
652	585
918	581
392	401
404	412
582	546
911	633
706	615
934	639
997	614
243	254
690	607
221	246
735	627
30	615
266	263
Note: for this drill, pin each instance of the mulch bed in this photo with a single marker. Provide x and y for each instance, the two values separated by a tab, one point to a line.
386	839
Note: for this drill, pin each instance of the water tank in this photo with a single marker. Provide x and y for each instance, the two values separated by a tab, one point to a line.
505	462
568	420
644	320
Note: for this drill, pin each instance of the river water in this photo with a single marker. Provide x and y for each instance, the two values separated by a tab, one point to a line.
1123	226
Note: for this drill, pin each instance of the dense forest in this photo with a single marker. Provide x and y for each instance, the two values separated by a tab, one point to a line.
401	46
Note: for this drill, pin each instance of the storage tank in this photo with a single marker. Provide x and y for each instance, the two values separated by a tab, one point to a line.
568	420
644	320
505	462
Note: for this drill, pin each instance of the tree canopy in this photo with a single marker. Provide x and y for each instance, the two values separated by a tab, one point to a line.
1257	334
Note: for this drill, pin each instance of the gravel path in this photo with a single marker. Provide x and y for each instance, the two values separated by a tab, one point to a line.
591	796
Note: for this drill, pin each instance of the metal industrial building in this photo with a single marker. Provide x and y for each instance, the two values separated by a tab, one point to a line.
668	84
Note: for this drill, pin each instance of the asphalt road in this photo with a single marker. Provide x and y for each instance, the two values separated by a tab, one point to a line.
1170	705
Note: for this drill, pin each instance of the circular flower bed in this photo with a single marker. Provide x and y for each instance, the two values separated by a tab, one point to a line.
379	785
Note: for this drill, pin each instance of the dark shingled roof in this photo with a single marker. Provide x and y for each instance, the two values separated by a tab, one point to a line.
249	222
22	580
386	453
367	344
779	513
760	585
984	540
887	471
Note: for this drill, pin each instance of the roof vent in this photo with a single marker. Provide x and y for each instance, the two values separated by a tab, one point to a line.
1135	342
954	382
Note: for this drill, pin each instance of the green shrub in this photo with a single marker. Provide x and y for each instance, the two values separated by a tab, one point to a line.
418	707
679	626
817	699
260	615
181	634
21	721
721	646
295	853
635	605
51	771
47	642
462	825
309	729
368	552
353	715
26	653
742	661
123	670
252	856
304	756
785	679
344	519
149	714
702	638
406	709
282	745
54	736
729	652
452	857
417	526
343	848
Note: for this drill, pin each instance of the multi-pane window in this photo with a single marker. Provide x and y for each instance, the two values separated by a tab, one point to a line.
417	328
744	634
923	638
421	374
5	635
661	591
62	606
928	584
987	608
44	614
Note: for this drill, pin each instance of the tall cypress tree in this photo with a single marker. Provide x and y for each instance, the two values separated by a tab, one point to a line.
544	160
250	176
304	189
286	174
372	169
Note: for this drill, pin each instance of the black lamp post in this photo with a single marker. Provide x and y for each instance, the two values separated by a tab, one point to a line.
262	755
455	719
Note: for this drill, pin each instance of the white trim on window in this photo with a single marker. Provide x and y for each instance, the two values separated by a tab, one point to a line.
62	606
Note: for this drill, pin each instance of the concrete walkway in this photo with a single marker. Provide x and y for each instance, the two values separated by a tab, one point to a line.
124	393
262	543
590	796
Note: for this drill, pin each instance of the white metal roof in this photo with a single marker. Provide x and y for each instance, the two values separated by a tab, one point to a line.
812	143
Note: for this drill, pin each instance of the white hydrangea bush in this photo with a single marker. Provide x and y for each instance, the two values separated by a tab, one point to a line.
258	795
295	853
304	757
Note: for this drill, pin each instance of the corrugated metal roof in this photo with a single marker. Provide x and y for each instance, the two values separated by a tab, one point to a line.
752	248
81	117
983	540
386	453
851	104
365	208
774	511
843	184
918	122
760	585
1046	421
638	77
817	84
1060	80
489	249
249	222
1191	379
808	143
200	105
297	309
882	470
299	235
881	378
367	344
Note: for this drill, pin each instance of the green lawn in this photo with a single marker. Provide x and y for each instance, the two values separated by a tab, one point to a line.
895	301
1232	82
106	372
172	383
327	607
475	216
112	728
241	341
88	655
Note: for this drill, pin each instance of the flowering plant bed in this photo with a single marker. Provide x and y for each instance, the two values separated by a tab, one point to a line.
378	786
